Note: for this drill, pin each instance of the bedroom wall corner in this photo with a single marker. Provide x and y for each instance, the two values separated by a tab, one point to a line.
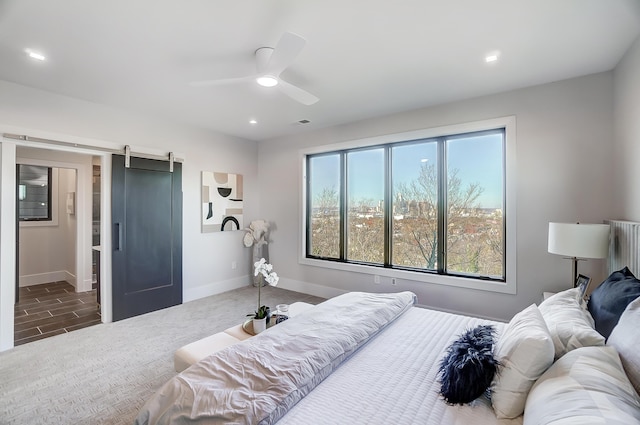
626	113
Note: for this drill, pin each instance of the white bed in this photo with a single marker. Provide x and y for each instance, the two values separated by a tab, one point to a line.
356	359
392	380
374	359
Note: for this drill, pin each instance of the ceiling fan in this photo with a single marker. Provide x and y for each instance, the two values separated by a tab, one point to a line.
270	63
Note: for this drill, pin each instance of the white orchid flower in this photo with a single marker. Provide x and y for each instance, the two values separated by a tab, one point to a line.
272	279
266	270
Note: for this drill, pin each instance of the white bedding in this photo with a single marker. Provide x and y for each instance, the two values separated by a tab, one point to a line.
392	380
260	379
355	359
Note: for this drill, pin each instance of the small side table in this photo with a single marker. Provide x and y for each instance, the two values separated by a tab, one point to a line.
245	330
546	295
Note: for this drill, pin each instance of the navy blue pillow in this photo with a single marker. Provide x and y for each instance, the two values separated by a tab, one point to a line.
468	367
609	300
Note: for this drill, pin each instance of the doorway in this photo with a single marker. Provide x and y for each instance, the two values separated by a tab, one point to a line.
56	151
53	267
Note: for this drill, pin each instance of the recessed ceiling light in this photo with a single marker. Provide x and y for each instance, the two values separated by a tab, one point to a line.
267	81
253	122
35	55
492	57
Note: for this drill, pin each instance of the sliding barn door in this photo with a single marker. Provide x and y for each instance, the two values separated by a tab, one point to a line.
147	236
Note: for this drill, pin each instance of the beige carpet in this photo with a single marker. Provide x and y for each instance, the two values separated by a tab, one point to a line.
103	374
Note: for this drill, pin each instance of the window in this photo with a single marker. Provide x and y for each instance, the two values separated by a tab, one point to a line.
432	205
365	189
34	192
324	206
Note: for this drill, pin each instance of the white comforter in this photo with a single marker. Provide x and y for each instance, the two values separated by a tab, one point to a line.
260	379
393	379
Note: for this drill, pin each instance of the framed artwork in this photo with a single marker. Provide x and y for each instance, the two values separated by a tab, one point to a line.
582	283
221	201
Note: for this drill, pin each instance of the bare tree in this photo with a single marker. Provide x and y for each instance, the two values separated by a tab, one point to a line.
325	224
365	229
474	240
474	236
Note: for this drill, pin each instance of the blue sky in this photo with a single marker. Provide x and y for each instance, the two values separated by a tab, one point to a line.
478	159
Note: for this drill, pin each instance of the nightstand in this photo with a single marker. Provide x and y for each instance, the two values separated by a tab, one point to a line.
546	295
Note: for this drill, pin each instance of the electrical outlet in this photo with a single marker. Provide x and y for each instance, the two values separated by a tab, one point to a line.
376	279
393	281
234	265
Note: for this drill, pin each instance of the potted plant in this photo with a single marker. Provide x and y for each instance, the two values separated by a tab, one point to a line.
261	315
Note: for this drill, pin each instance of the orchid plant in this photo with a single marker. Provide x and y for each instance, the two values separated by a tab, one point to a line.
265	271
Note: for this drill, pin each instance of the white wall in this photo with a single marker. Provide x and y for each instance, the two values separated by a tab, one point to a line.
206	257
47	249
66	220
564	133
627	134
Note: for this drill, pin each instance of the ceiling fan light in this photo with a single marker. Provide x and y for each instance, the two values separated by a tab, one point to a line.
492	57
35	55
267	81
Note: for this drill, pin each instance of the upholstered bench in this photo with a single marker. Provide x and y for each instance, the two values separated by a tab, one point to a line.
198	350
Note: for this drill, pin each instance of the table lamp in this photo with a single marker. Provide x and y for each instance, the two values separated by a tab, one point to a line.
578	241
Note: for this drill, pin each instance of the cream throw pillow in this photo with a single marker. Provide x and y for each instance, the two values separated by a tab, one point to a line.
586	386
525	350
570	323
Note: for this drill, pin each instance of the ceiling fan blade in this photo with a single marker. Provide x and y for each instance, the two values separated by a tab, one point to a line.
288	48
222	81
296	93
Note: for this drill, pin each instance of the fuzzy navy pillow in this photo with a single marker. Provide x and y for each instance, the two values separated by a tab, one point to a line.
468	367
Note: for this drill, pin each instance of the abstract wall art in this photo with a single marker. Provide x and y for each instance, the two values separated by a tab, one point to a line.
221	202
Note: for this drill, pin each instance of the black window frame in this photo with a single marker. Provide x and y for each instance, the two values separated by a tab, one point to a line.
49	196
388	200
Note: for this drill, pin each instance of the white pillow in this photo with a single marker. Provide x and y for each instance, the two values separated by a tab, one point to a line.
569	322
626	339
525	351
586	386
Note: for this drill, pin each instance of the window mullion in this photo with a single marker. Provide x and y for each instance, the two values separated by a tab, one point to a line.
442	206
387	203
343	206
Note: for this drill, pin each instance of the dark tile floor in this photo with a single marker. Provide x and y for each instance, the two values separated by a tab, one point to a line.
52	309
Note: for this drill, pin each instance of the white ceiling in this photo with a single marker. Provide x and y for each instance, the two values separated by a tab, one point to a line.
363	58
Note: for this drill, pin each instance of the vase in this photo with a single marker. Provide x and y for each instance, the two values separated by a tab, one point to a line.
259	325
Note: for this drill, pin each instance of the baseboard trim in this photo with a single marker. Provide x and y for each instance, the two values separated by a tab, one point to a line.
214	288
86	285
40	278
310	288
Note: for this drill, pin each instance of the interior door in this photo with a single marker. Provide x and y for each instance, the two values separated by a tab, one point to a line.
147	236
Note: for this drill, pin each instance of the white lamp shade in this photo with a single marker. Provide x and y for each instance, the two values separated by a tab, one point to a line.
579	240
